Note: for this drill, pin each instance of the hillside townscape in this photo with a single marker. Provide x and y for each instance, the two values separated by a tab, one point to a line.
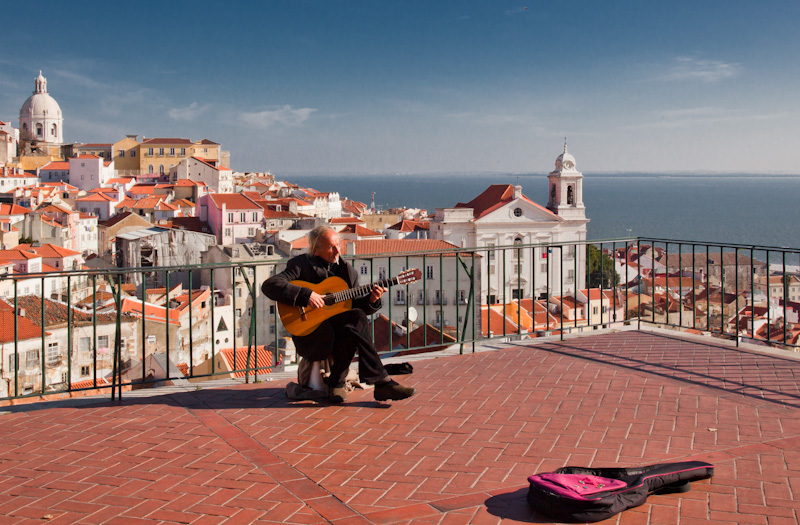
101	239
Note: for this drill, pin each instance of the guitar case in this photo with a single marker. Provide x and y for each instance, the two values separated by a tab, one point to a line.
577	494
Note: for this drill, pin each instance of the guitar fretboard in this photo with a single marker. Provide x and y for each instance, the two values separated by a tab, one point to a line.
358	291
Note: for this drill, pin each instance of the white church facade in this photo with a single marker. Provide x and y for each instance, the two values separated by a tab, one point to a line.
528	250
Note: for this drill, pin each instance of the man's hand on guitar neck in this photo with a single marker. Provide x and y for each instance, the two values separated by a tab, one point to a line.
377	292
316	300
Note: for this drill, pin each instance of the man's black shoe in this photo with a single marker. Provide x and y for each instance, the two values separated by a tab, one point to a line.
392	390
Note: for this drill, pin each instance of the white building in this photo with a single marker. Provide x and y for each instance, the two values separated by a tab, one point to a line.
502	216
219	179
441	294
9	141
88	172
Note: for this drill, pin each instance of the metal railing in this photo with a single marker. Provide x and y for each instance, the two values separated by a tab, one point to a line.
141	327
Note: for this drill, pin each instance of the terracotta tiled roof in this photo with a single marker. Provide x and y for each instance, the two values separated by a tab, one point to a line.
89	383
208	142
152	312
13	209
87	156
262	354
387	246
95	146
494	197
51	251
346	220
207	163
189	182
17	255
56	165
143	189
25	328
95	197
157	141
56	313
234	201
410	226
360	231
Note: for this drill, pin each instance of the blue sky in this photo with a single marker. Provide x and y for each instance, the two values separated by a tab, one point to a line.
424	86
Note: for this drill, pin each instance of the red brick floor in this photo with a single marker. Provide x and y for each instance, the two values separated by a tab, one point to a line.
458	452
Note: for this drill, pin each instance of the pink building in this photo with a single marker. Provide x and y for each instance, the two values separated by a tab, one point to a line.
232	217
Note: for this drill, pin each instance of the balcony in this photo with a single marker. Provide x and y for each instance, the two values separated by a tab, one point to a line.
655	387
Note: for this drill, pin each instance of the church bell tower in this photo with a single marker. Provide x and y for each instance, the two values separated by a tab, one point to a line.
566	189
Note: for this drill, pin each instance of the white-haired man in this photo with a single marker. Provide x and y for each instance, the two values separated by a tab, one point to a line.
340	336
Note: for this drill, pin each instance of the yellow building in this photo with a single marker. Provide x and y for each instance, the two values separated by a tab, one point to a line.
159	155
127	155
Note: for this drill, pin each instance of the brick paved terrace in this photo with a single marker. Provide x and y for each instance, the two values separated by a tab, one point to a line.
458	452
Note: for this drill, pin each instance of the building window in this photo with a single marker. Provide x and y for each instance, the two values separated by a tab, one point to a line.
517	255
400	297
381	273
86	371
364	270
421	297
183	152
122	153
52	353
150	152
171	152
133	153
102	342
429	272
161	169
255	216
491	250
570	276
150	169
251	231
160	152
85	348
12	361
230	217
243	217
32	358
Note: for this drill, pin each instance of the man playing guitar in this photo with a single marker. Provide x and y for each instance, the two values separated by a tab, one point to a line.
340	336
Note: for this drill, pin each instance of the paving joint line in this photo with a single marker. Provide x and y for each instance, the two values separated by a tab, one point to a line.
266	461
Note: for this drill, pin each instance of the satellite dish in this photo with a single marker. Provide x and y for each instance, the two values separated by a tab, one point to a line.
412	314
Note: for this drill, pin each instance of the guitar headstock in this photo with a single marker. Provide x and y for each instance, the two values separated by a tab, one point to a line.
409	276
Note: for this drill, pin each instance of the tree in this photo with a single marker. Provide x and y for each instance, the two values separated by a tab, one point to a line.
607	277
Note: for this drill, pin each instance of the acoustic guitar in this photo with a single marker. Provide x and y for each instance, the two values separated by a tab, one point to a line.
338	298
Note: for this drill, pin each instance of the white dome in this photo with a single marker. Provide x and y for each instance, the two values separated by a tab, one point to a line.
40	104
565	161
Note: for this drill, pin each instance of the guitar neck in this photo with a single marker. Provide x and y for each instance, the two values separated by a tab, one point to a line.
359	291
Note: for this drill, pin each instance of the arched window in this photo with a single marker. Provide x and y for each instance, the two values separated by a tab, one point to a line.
150	169
570	197
161	169
39	130
518	251
54	130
